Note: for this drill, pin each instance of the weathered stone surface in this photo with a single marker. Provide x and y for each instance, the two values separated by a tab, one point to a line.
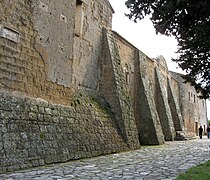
163	108
175	109
149	127
192	108
90	133
69	91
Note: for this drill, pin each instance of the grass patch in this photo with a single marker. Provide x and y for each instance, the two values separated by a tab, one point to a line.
200	172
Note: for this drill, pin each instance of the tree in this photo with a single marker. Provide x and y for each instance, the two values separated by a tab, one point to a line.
189	22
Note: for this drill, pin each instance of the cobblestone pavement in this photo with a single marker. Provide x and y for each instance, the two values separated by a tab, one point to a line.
148	163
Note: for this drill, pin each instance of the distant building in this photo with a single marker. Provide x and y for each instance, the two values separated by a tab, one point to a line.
194	109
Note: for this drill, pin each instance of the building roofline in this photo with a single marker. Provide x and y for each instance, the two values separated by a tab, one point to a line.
177	73
130	44
110	6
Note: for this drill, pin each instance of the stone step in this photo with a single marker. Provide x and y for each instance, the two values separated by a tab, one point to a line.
182	136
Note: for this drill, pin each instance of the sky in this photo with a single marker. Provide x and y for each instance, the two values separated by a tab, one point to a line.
143	36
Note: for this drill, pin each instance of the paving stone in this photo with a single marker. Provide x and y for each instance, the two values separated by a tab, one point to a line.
148	163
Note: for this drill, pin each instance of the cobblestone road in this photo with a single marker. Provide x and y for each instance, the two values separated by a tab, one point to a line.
148	163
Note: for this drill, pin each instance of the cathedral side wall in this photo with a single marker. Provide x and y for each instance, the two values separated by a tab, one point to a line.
176	88
127	57
44	118
88	44
53	22
25	61
193	109
115	88
202	107
34	132
51	107
40	61
136	65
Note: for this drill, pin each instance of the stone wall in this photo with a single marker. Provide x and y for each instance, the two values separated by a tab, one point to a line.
127	54
162	106
192	108
173	100
153	93
34	132
49	56
147	118
132	73
71	88
88	44
54	21
115	90
37	65
24	65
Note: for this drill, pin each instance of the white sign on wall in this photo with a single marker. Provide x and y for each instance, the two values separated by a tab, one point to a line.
9	34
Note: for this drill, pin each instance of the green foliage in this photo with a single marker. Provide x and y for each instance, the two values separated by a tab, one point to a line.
189	22
201	172
42	136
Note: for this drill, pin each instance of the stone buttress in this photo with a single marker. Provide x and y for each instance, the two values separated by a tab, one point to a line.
148	122
115	92
176	113
163	108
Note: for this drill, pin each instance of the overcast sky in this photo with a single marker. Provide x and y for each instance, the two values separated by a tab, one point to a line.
142	35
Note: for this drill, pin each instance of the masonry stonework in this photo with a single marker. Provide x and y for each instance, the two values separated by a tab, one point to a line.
35	132
72	88
193	109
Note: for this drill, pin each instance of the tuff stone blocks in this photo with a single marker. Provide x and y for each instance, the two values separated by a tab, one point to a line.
70	90
35	132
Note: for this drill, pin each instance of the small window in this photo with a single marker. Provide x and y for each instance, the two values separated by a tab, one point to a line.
189	95
127	78
194	98
79	18
126	74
